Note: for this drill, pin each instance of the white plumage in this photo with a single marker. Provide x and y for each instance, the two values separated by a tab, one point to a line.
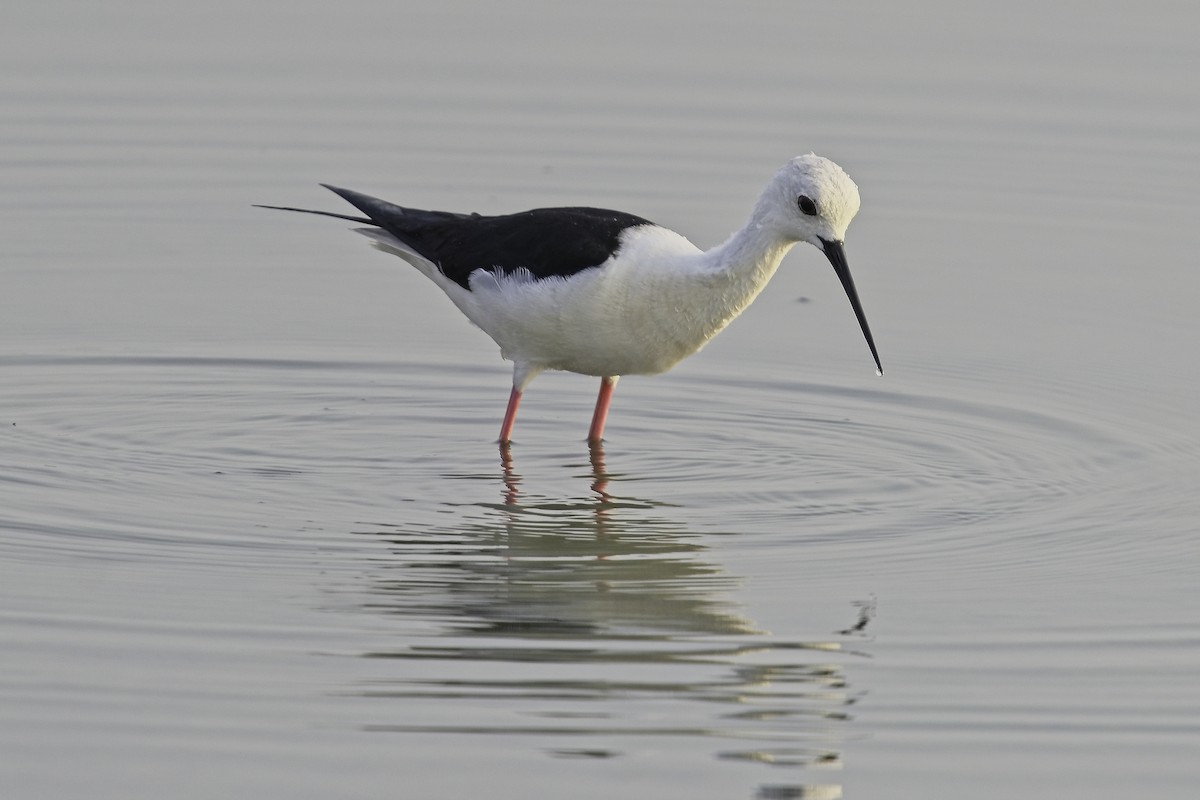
649	299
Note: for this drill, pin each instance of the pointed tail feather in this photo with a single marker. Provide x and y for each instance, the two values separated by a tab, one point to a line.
319	213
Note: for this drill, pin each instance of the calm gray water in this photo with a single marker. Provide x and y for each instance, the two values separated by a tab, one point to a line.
256	539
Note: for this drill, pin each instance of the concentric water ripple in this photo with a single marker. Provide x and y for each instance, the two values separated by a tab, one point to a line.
239	443
914	476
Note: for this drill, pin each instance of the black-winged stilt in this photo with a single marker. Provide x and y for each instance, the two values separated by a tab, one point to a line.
607	293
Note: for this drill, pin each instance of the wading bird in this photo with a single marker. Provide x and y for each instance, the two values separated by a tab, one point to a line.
607	293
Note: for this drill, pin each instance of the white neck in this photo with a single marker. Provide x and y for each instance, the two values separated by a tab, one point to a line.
747	260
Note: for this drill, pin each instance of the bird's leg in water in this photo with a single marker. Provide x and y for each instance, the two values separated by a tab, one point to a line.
510	416
607	384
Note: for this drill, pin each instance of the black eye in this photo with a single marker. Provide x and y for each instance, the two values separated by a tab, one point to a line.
807	205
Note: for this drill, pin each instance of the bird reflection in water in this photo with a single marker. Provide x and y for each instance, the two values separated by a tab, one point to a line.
599	480
597	627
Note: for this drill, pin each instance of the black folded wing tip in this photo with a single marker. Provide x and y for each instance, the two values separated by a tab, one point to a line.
349	195
394	218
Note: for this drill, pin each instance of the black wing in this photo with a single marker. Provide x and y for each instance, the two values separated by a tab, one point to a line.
546	241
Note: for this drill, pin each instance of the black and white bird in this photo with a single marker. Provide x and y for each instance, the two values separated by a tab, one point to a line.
607	293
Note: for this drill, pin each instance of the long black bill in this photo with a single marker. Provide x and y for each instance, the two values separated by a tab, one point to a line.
836	254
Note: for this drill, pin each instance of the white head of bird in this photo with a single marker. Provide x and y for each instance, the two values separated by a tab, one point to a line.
810	199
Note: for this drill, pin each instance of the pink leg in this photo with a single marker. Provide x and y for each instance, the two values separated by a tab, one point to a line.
607	384
510	416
